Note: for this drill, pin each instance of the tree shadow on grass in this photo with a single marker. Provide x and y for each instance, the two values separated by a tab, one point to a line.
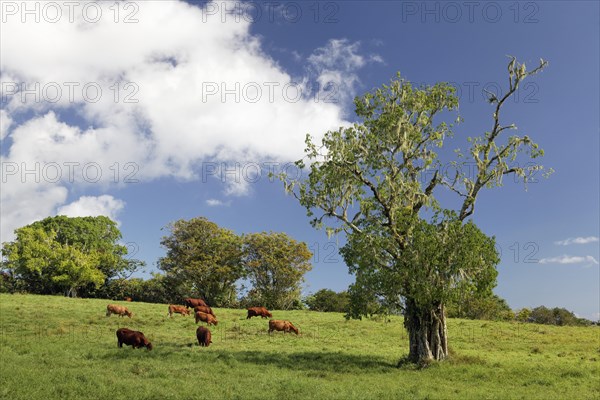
310	361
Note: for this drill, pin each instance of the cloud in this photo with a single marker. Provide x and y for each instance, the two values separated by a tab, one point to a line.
566	259
111	102
5	123
25	203
577	240
91	206
336	65
217	203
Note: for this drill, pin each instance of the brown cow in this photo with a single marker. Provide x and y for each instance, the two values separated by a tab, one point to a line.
209	319
280	325
204	336
128	299
205	309
258	311
135	339
191	303
119	310
178	309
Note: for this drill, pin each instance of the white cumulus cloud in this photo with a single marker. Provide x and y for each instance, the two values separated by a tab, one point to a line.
577	240
216	203
336	65
110	102
566	259
5	123
93	206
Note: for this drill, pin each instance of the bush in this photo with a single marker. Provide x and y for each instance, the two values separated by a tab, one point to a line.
492	308
523	315
158	289
364	303
7	283
555	316
254	298
329	301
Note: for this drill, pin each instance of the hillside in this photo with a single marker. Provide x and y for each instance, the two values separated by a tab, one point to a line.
56	347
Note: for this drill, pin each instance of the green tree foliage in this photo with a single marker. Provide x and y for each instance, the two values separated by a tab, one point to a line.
203	260
7	282
555	316
99	234
157	289
523	315
362	301
329	301
492	308
375	181
66	255
275	265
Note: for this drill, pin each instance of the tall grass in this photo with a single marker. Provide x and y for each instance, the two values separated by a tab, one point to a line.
62	348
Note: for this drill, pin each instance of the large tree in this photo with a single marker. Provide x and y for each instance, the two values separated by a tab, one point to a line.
377	181
275	264
203	259
66	255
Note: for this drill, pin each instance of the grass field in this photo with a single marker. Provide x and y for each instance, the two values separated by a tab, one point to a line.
62	348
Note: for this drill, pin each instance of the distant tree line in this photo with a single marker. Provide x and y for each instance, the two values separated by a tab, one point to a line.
83	257
474	306
551	316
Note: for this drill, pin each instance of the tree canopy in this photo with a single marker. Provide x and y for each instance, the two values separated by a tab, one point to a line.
66	255
275	265
203	259
366	180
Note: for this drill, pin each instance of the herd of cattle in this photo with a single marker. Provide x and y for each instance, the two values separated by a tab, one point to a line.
202	312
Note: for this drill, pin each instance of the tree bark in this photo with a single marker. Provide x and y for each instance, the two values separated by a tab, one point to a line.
427	332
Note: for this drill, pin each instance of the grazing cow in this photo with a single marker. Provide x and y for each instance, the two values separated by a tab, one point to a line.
178	309
280	325
119	310
258	311
131	338
191	303
128	299
205	309
209	319
204	336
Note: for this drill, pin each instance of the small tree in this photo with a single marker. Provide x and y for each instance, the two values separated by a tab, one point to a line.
203	260
275	265
367	180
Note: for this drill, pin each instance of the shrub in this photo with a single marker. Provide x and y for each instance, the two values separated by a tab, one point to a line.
492	308
329	301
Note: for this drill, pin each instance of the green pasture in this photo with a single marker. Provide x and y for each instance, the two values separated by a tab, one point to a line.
62	348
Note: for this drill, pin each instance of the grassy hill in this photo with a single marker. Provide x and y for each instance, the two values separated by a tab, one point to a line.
62	348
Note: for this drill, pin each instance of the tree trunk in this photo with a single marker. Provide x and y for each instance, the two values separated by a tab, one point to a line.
427	333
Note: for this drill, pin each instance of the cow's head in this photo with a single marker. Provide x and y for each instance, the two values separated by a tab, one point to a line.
293	328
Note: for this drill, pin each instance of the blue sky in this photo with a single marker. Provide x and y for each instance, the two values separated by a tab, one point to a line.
152	112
